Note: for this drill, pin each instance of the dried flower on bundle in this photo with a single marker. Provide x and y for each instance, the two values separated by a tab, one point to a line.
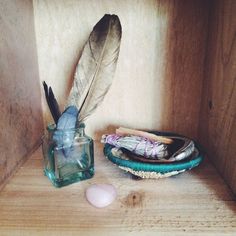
138	145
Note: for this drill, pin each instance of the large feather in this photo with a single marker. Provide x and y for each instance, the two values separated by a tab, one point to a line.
96	67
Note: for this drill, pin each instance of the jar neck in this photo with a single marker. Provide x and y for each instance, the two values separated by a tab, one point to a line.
81	131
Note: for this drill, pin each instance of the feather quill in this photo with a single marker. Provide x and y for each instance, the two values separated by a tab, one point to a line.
52	102
95	70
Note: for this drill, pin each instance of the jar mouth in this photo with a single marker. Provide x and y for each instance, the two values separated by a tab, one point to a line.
52	127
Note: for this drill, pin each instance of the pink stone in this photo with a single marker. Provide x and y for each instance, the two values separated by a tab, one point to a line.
101	195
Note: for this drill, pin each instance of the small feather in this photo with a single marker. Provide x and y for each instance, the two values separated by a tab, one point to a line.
54	106
64	134
45	86
52	102
68	118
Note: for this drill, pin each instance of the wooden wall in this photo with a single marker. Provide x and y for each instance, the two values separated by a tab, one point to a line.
20	106
159	76
218	113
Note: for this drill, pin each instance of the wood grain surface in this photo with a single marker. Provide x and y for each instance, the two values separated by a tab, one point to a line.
218	114
159	75
193	203
21	123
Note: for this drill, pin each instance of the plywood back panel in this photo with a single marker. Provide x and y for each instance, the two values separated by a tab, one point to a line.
218	114
160	69
184	68
20	103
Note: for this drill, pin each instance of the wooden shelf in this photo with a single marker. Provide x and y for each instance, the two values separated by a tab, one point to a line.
193	203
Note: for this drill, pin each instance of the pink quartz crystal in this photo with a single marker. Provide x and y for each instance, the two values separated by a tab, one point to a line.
101	195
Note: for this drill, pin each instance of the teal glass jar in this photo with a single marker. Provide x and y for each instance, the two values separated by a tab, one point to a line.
68	162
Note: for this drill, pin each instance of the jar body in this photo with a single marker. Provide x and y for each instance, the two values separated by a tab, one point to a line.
68	155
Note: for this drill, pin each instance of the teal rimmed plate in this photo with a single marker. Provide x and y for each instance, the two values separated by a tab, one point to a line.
152	170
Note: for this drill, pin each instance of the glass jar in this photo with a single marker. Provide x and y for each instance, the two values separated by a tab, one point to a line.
68	155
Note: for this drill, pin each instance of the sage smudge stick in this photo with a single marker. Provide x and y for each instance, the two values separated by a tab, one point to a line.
138	145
